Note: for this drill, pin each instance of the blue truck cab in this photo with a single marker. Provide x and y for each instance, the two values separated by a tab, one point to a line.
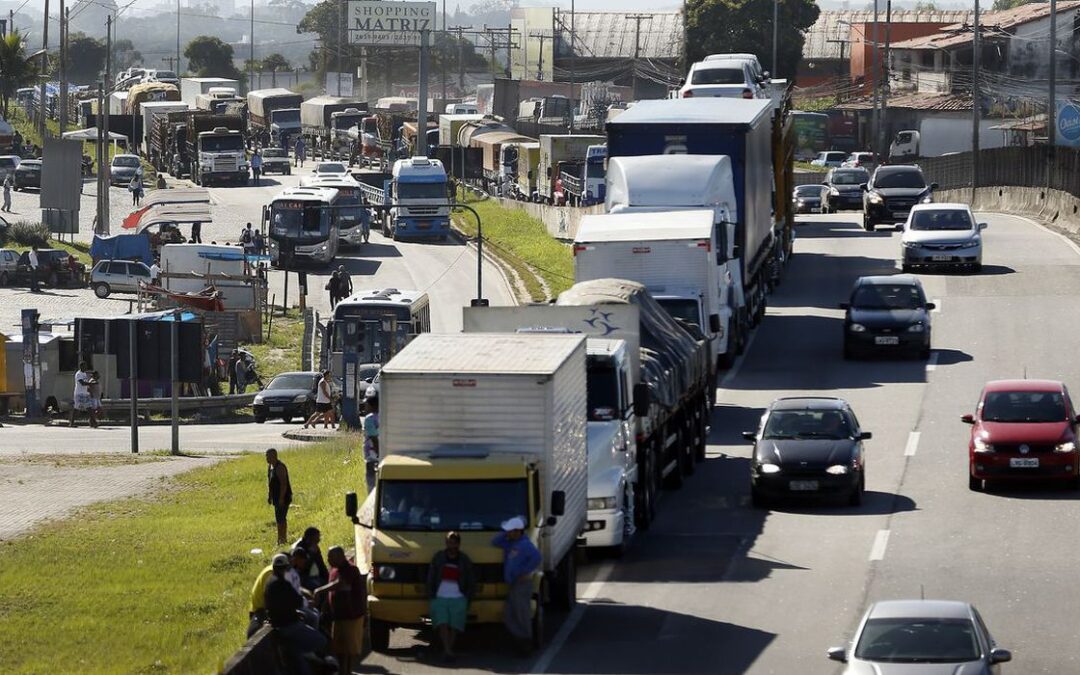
421	199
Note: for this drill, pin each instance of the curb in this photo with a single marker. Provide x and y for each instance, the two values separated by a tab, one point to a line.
317	435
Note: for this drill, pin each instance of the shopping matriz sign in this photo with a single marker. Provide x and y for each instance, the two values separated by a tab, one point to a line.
376	23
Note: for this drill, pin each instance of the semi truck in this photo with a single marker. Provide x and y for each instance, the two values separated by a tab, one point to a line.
415	198
215	148
325	122
192	87
150	111
275	112
218	100
556	150
475	429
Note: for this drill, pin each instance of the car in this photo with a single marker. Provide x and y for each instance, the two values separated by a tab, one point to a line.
287	396
28	174
921	637
806	199
942	235
8	164
118	276
276	160
842	189
9	263
829	158
729	78
123	168
331	169
887	314
55	268
751	60
1023	430
808	446
865	160
892	192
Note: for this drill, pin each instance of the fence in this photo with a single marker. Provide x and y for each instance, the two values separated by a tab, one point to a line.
1034	167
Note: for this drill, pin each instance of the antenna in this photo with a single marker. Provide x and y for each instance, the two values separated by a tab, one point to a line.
1025	372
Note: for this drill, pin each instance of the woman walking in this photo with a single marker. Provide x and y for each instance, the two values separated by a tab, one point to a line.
324	403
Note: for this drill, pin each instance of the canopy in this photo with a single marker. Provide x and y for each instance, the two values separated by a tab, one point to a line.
91	134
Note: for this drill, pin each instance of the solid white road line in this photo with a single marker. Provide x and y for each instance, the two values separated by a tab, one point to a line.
1071	244
931	363
881	541
912	444
591	591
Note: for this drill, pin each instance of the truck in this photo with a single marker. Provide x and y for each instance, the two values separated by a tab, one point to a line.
215	148
584	185
150	111
192	87
528	166
500	158
118	103
475	429
739	129
558	149
274	113
168	143
935	137
414	197
325	122
217	100
673	254
148	92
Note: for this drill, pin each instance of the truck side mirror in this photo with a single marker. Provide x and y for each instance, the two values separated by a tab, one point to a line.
642	399
351	504
862	186
714	323
933	186
558	502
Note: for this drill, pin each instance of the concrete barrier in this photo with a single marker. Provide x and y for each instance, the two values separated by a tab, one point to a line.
1053	207
561	221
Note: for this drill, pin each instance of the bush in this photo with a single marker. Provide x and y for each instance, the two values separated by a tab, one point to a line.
25	233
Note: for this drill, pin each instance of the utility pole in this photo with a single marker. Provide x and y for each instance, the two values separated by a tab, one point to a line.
540	35
1051	104
875	64
340	45
251	51
363	75
44	71
573	65
775	34
63	69
103	167
102	189
883	120
638	18
422	97
976	45
178	35
442	54
460	30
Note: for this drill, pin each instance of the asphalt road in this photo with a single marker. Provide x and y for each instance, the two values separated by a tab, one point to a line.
719	587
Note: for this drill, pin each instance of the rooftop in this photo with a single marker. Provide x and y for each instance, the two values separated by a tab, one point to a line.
607	35
1023	385
831	28
914	101
992	25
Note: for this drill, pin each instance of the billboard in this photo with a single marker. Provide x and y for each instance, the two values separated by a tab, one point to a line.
378	23
61	175
532	57
1068	123
339	84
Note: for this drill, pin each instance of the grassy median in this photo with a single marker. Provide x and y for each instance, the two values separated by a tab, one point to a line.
160	584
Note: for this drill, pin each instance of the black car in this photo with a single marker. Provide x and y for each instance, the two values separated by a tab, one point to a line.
887	314
808	446
806	199
287	396
842	189
891	193
28	174
56	268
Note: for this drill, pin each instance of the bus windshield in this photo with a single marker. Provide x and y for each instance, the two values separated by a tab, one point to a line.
309	223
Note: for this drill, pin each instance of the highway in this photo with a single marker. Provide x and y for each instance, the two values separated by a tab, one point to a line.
718	587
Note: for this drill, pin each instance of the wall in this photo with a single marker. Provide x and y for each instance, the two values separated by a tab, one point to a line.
1058	209
1028	55
561	221
861	39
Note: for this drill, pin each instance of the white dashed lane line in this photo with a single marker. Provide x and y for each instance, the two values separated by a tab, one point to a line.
881	541
931	363
912	444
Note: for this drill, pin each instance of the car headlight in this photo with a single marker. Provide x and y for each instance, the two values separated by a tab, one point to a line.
323	247
600	503
833	192
258	399
837	469
857	328
799	202
385	572
302	398
1067	446
916	328
982	446
973	242
874	198
768	467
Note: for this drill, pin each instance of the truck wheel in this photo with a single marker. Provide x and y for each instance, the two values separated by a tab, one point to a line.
703	433
380	635
645	509
674	480
564	587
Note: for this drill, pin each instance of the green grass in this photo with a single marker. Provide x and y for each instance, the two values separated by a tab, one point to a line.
524	244
807	166
161	584
281	353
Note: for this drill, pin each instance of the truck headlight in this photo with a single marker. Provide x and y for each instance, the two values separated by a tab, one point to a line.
857	328
601	503
874	198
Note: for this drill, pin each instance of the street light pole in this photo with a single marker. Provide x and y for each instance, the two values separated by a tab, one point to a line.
251	50
44	72
573	65
976	45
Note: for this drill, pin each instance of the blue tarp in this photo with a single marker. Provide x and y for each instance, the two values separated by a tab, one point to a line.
123	247
234	255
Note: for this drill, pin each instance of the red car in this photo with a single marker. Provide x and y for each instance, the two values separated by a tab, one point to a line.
1023	430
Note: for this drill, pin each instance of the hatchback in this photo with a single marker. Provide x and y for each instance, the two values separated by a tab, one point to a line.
807	199
28	174
118	276
887	314
842	189
937	235
728	78
1023	430
288	395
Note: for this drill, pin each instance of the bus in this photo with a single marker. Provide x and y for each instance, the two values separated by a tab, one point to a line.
302	226
811	134
353	217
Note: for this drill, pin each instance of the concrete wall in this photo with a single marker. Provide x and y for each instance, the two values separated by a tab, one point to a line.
1028	56
561	221
1053	207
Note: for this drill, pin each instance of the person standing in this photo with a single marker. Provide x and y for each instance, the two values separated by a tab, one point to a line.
279	492
9	182
196	232
135	185
257	242
256	166
347	596
344	283
230	366
450	585
333	288
32	261
371	440
241	368
155	273
324	403
299	152
81	399
161	182
520	559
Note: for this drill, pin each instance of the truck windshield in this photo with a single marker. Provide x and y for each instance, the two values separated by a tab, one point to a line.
602	388
308	223
442	505
287	116
682	308
347	121
594	170
230	143
422	191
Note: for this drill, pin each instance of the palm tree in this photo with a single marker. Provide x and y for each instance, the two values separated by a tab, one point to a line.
16	69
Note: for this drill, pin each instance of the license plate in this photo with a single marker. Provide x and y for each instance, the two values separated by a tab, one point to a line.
277	408
902	215
886	340
941	258
424	226
1024	462
803	485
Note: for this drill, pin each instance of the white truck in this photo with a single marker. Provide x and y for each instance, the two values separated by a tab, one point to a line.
942	136
118	103
152	108
676	183
673	254
325	122
475	429
414	196
192	87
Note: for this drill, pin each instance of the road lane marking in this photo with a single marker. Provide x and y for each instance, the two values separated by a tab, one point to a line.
591	591
912	444
931	363
881	541
937	305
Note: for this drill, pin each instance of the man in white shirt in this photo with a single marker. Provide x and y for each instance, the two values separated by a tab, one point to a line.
155	273
82	401
33	259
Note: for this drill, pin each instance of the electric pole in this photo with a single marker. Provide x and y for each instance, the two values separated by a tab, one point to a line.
442	54
875	64
44	72
976	45
460	30
540	57
422	97
1051	106
103	167
63	69
638	18
883	121
573	65
178	35
251	51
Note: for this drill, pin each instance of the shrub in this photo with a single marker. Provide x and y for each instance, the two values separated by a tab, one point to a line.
25	233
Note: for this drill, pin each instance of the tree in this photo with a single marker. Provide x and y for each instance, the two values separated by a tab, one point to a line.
210	57
16	70
275	63
926	6
734	26
86	59
124	55
1002	5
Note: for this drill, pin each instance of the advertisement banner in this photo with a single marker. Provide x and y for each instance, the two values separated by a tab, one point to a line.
1068	123
377	23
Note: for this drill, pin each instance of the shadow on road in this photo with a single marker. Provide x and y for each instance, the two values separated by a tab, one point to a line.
949	357
874	504
825	280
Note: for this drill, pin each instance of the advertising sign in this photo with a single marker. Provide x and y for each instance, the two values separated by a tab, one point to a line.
1068	124
378	23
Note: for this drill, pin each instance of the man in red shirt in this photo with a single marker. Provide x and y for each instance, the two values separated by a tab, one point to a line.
347	594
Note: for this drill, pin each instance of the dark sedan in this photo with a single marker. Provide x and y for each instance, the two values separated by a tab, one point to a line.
28	174
56	268
808	447
842	189
287	396
806	199
887	314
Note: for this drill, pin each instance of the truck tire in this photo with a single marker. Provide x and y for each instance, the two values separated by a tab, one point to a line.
380	635
538	622
689	444
645	509
564	586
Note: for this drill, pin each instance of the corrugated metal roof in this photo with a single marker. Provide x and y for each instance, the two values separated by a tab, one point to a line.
993	24
943	102
832	26
612	34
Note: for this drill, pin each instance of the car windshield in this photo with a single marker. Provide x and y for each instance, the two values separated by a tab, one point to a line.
718	76
30	166
940	219
442	505
273	152
7	162
808	190
330	167
899	179
918	641
830	424
850	177
367	373
292	382
1023	406
835	156
887	296
126	161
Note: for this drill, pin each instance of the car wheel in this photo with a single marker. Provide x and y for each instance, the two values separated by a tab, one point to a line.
101	290
868	225
4	279
857	494
287	419
259	419
975	484
380	635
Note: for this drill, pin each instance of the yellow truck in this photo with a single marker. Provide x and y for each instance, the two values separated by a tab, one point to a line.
475	429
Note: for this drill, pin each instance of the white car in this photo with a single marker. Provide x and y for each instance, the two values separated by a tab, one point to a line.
336	169
942	235
864	160
829	158
728	78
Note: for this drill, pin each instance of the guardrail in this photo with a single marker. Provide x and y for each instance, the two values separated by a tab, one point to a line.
1037	166
186	403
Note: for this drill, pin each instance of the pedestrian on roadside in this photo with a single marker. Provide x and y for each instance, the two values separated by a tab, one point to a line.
9	182
256	166
324	403
344	283
196	232
135	186
81	401
161	182
333	288
450	585
283	602
257	242
314	573
95	393
346	594
520	559
279	493
155	273
299	152
246	237
32	261
231	367
371	439
241	369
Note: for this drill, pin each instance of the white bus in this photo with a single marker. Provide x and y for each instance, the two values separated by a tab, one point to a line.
394	317
353	217
300	228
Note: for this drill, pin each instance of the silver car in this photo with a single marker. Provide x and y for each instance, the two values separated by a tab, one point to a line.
942	235
921	637
122	276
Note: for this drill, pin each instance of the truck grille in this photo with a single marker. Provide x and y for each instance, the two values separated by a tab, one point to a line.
423	210
223	165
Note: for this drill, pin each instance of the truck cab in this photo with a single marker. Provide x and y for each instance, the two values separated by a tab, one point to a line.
284	125
421	200
221	157
595	174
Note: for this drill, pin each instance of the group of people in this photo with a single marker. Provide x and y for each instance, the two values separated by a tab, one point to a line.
241	372
252	240
87	395
339	286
